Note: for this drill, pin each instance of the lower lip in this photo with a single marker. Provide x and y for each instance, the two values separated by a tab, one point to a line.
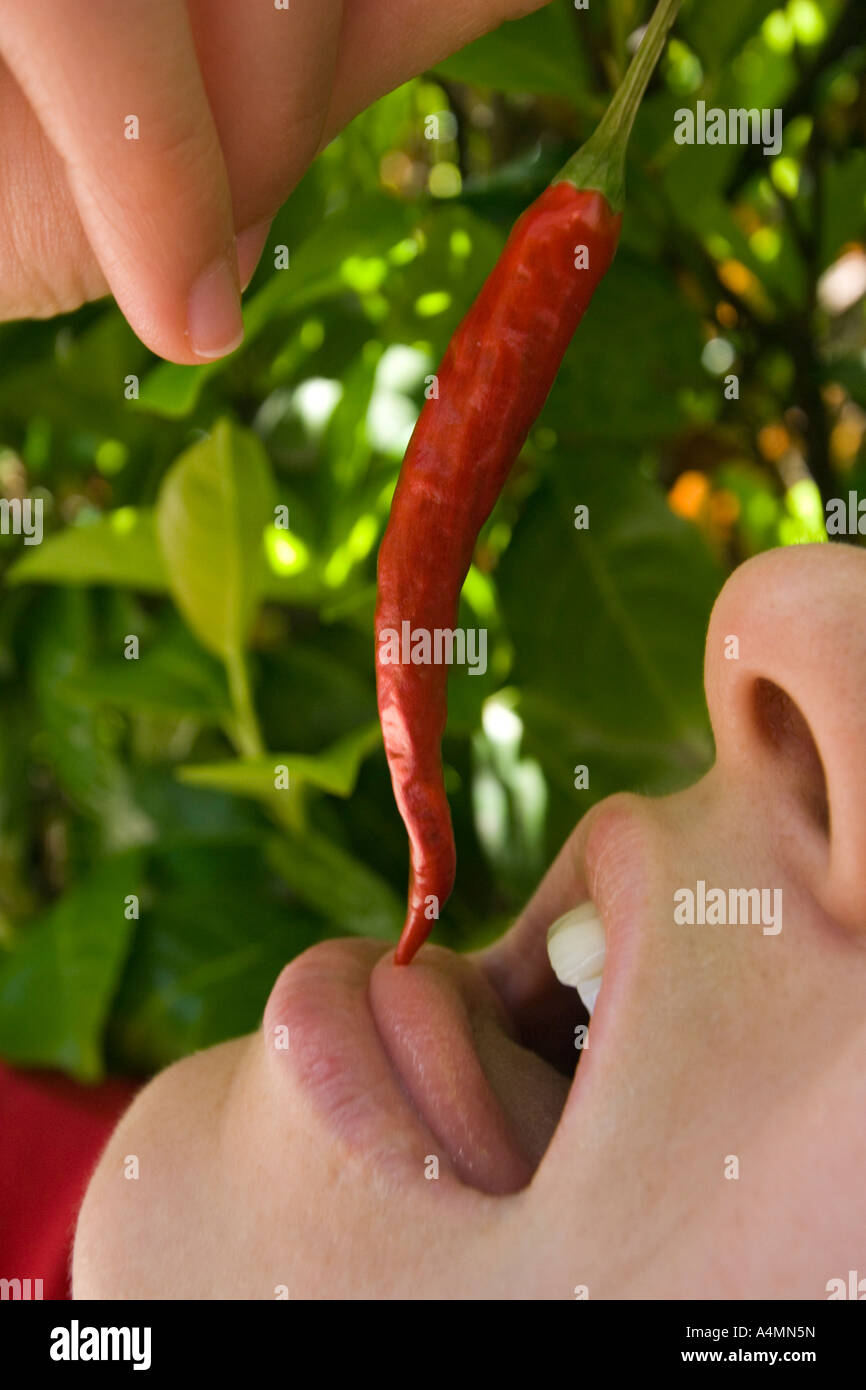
437	1020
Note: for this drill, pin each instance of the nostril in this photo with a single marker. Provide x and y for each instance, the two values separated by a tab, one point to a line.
783	728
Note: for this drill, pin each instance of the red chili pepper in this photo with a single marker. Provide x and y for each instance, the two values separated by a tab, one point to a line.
493	381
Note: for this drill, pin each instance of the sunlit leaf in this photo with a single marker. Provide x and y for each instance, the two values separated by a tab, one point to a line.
120	548
213	507
334	771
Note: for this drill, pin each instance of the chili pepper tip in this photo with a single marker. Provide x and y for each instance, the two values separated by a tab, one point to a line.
412	938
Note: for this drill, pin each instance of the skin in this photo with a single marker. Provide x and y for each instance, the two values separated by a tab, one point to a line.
234	100
706	1042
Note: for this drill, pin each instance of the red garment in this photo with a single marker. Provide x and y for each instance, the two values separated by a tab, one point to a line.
52	1131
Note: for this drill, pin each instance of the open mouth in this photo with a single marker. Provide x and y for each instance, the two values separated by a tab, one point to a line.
404	1065
473	1072
468	1060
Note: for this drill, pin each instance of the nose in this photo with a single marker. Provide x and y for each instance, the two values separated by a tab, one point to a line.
785	674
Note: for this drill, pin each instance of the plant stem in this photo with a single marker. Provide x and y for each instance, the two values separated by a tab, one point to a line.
247	733
600	163
287	808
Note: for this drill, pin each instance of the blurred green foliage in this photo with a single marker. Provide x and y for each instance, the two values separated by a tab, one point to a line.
229	516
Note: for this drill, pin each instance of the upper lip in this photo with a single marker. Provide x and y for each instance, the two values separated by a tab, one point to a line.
608	860
453	1047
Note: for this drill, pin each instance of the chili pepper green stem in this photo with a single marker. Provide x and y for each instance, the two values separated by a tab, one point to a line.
619	34
600	163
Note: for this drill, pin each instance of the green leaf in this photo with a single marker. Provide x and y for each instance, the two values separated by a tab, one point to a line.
189	815
175	679
334	771
608	636
317	689
613	623
594	396
540	53
120	548
74	380
172	390
57	982
213	506
209	946
73	739
351	896
355	229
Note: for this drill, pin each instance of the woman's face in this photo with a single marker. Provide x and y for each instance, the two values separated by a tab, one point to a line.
396	1132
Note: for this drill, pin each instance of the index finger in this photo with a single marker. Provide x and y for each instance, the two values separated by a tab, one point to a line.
119	93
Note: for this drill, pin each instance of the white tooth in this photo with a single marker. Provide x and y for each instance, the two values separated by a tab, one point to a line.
588	991
575	946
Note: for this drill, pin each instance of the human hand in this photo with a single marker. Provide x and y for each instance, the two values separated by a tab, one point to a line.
144	149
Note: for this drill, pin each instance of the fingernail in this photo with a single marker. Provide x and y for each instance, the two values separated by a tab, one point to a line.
214	312
251	242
